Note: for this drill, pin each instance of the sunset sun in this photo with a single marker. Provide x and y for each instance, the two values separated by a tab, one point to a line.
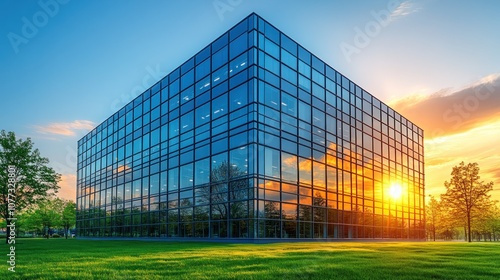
395	191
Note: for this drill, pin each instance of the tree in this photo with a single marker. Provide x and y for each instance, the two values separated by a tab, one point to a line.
29	222
68	216
494	223
465	193
432	213
486	222
48	214
34	180
447	222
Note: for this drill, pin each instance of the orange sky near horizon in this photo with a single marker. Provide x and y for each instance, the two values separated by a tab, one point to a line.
458	126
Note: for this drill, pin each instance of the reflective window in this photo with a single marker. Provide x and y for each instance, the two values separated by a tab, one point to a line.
154	181
219	75
238	64
305	83
304	69
289	74
186	176
289	104
272	162
288	167
238	45
203	69
203	114
173	179
238	162
238	97
269	96
219	167
271	64
288	59
219	58
219	106
202	171
187	79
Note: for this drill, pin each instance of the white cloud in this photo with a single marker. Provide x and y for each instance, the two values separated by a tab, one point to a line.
404	9
66	129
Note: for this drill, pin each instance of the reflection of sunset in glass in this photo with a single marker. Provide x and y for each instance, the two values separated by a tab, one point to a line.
395	191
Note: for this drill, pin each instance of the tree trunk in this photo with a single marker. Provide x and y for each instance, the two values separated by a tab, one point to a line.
66	232
468	225
7	236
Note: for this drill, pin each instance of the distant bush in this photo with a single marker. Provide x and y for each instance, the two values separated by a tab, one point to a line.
55	235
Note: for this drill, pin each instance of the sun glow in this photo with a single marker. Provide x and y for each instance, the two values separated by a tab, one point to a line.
395	191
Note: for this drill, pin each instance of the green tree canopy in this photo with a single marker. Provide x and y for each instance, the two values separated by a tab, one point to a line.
35	180
68	216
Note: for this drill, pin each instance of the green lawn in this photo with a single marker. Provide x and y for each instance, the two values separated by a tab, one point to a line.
84	259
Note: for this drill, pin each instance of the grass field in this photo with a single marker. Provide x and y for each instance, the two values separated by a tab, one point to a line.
84	259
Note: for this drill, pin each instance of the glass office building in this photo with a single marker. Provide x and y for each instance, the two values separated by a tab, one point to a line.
254	138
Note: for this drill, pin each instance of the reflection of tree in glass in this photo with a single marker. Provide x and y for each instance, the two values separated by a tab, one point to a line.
319	211
272	210
223	191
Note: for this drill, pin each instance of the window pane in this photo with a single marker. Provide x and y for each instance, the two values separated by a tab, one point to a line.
289	59
238	64
272	162
304	83
163	182
203	69
238	97
154	184
238	162
187	79
289	167
305	166
219	106
289	104
173	179
186	176
319	175
289	74
238	45
269	96
219	58
304	112
318	78
202	171
203	114
271	48
304	69
271	64
318	118
219	75
219	168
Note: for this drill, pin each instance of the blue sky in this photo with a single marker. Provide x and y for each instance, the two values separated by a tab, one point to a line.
68	65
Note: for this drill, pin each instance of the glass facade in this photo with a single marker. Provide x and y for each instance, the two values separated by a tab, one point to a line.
252	138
